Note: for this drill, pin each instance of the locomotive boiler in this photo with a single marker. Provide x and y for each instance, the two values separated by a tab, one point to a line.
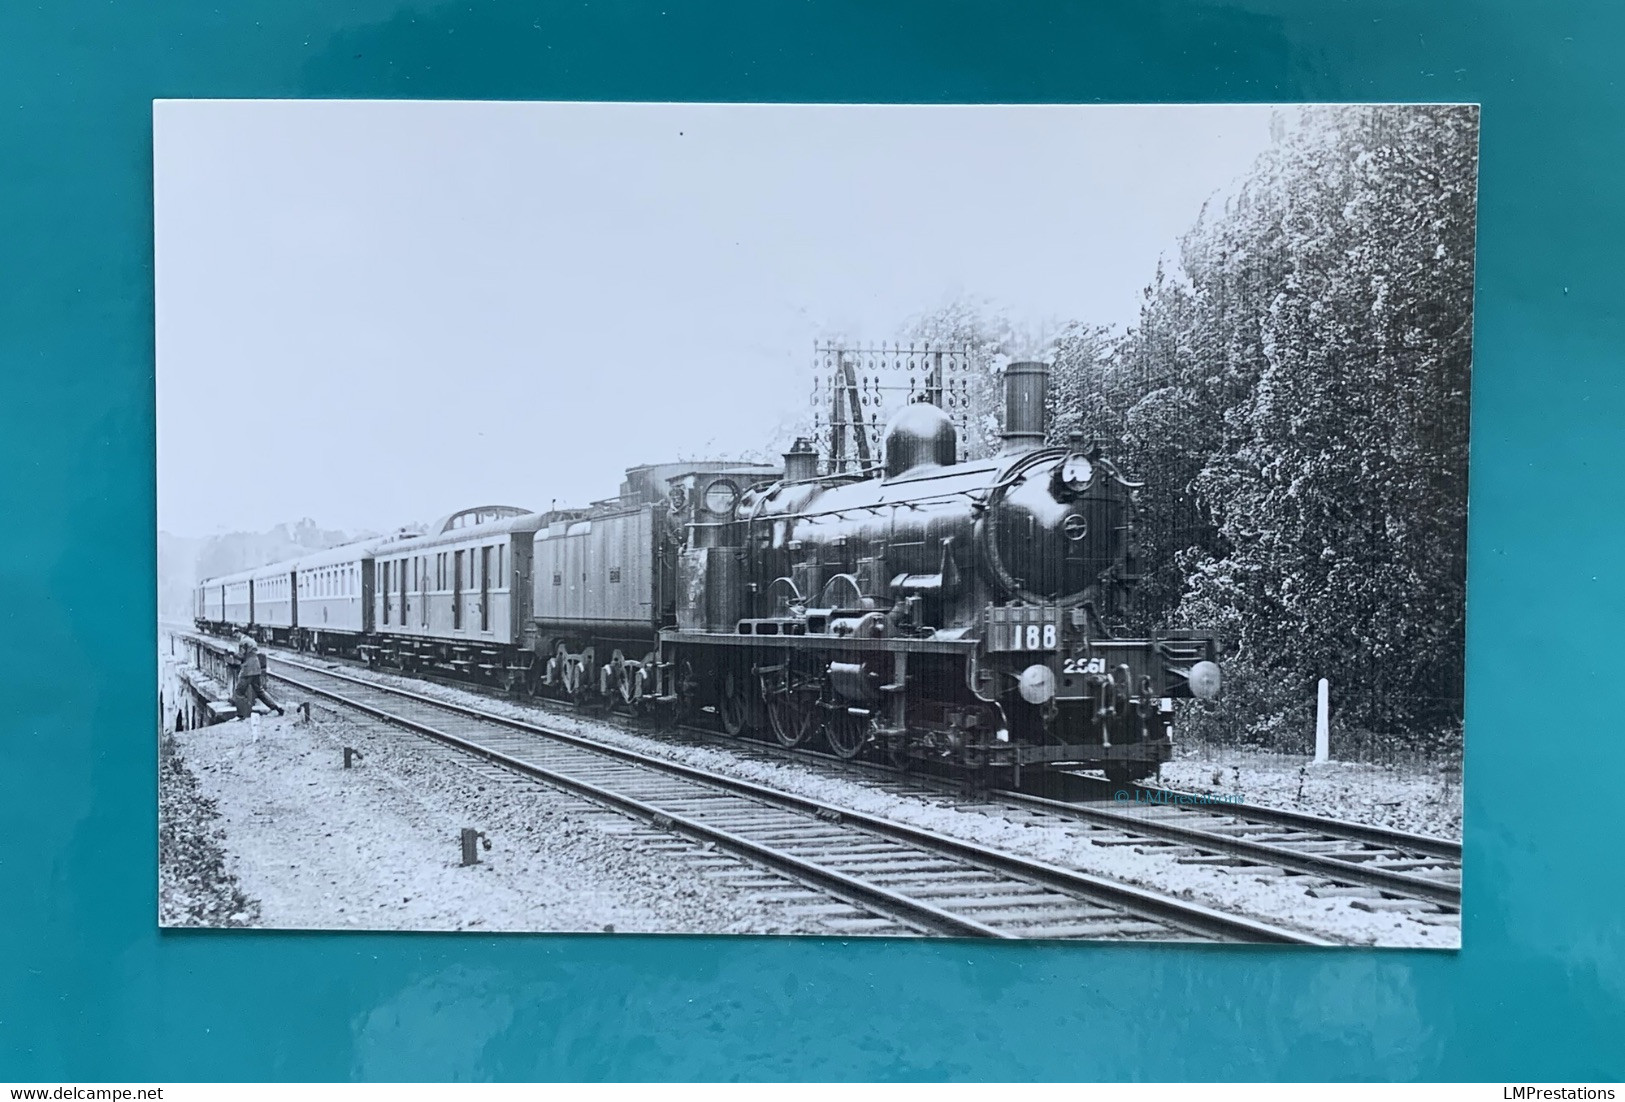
935	609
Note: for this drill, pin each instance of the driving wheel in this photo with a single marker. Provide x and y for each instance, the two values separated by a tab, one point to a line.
792	716
846	733
732	707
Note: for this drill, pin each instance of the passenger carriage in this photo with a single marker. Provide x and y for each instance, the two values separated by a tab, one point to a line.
333	597
457	598
272	590
206	610
237	600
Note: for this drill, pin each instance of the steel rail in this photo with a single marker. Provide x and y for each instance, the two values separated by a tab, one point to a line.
1428	844
1168	910
1341	870
1332	868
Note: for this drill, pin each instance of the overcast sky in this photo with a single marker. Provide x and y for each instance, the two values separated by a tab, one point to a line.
391	310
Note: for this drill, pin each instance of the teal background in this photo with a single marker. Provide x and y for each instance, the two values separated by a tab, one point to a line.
90	990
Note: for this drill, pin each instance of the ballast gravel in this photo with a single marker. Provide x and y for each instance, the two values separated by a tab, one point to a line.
1417	799
313	845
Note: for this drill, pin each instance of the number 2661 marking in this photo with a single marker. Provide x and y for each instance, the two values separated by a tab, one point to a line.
1084	665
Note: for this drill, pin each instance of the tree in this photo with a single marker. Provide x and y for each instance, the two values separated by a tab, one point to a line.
1294	396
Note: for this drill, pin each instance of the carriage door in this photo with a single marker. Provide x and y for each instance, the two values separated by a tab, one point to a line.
485	589
457	593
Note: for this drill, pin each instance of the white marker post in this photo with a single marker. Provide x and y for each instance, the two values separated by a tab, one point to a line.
1323	728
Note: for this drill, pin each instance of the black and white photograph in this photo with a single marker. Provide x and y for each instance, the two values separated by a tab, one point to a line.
996	521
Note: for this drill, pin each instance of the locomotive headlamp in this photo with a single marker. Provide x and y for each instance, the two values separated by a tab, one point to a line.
1076	472
1204	680
1037	684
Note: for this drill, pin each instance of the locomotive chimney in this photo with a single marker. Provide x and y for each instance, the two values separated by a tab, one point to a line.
801	461
1026	383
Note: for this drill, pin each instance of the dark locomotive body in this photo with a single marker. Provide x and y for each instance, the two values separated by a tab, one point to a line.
930	611
937	610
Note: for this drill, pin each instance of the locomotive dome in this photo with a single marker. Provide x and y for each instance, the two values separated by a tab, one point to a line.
921	435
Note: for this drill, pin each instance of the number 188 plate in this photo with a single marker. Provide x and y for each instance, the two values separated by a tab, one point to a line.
1023	628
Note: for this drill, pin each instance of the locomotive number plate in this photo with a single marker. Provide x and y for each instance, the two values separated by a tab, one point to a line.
1084	665
1023	629
1032	637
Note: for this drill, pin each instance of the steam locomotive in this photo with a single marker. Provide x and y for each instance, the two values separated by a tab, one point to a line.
928	610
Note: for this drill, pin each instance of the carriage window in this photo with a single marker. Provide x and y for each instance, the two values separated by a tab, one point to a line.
501	577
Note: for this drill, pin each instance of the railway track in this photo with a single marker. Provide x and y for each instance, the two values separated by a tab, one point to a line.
1345	854
902	874
1331	857
1395	862
1382	868
1340	854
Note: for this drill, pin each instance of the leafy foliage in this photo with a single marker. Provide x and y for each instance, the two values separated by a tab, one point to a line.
1296	401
